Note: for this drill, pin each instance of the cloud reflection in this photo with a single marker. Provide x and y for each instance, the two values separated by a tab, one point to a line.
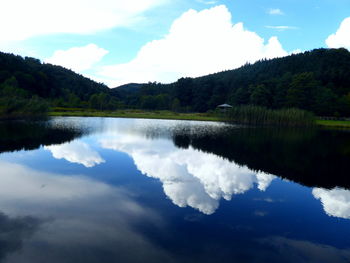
76	152
282	249
189	177
336	202
78	214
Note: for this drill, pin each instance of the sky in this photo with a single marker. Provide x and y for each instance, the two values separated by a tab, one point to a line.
136	41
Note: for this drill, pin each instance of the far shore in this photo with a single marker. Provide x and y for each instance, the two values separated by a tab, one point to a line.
141	114
169	115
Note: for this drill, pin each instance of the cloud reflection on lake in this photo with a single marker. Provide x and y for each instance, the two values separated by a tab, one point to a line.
76	152
336	202
73	211
189	177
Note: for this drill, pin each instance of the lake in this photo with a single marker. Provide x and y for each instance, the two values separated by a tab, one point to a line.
133	190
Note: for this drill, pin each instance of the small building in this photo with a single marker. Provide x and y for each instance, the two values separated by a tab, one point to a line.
224	107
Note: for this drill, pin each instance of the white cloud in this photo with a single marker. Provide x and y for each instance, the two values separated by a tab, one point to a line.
189	177
275	11
336	202
341	38
76	152
207	2
281	28
25	19
198	43
78	58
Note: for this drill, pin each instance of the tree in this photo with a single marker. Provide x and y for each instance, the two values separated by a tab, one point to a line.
301	91
175	106
260	96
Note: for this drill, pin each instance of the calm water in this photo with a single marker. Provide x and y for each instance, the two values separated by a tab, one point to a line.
128	190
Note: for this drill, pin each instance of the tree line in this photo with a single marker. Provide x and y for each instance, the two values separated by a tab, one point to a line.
316	81
28	86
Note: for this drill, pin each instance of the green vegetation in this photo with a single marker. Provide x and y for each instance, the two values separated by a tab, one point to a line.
162	114
28	87
334	123
210	116
317	81
15	101
256	115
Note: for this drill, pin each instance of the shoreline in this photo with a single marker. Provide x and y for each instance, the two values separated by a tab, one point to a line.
162	115
168	115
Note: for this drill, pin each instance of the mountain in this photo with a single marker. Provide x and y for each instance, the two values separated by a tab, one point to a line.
45	80
317	81
27	85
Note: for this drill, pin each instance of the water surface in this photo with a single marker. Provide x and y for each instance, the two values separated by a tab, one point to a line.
129	190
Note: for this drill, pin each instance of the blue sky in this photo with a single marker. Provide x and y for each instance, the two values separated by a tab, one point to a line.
122	41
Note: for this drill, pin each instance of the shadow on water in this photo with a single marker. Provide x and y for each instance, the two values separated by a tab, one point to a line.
13	231
29	135
312	157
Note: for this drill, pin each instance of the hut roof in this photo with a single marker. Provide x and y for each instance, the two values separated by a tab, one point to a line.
225	106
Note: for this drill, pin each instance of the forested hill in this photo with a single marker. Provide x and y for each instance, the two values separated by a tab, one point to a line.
21	79
318	81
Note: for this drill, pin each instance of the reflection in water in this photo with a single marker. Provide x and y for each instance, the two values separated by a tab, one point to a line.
301	251
336	202
304	156
13	231
189	177
111	213
80	214
30	135
76	152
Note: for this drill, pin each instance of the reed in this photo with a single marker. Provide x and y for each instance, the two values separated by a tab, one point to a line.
255	115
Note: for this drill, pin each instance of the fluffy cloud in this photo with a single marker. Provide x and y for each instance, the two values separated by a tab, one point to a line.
189	177
275	11
281	28
78	58
336	202
25	19
198	43
341	38
76	152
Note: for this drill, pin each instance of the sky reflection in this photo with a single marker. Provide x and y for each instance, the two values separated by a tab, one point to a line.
131	191
336	202
73	211
76	152
189	177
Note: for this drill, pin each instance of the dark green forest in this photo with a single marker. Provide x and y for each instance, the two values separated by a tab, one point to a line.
28	86
316	81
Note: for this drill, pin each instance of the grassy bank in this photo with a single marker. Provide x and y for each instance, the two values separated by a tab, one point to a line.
166	115
334	124
135	114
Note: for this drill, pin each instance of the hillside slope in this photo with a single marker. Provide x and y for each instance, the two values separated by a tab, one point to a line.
317	80
27	77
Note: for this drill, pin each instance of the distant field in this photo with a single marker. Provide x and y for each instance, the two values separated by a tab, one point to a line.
135	114
333	123
165	115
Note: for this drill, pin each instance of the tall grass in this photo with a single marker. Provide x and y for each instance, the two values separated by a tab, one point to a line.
255	115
